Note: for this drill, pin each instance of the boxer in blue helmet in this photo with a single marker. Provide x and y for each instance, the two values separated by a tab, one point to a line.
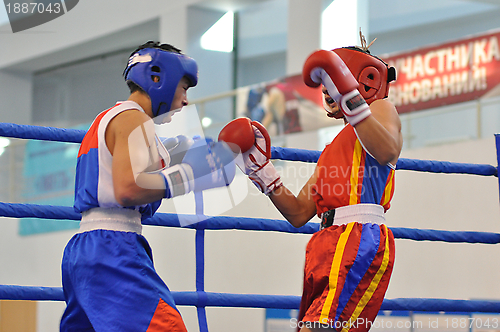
157	69
123	172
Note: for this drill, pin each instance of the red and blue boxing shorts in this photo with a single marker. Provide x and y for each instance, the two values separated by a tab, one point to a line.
110	284
346	275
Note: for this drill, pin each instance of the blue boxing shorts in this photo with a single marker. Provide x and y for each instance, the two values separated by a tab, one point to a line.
110	284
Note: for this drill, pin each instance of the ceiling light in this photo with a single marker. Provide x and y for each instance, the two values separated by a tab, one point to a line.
4	142
206	122
220	35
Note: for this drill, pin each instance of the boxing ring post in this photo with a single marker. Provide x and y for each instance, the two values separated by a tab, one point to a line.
497	144
200	280
200	266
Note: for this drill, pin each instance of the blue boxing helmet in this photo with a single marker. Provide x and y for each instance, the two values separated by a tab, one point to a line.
169	67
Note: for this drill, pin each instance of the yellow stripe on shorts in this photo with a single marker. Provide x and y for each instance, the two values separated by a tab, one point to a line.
334	273
388	189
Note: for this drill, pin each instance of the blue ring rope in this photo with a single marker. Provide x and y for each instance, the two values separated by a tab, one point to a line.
76	136
17	210
210	299
200	298
433	166
41	133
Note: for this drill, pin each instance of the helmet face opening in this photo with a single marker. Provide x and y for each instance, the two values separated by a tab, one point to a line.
372	74
158	72
371	81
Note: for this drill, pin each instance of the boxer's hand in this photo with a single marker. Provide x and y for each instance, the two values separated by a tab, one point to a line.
177	147
206	165
179	180
238	134
257	161
327	68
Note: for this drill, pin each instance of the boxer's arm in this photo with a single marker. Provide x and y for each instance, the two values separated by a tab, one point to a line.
297	210
138	177
380	133
131	185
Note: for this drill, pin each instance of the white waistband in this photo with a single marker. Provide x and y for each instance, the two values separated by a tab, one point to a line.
113	219
362	213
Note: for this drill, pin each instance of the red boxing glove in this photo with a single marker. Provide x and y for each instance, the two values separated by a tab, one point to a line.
327	68
238	134
257	161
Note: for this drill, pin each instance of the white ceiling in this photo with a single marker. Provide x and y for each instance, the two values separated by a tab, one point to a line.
228	5
387	15
386	19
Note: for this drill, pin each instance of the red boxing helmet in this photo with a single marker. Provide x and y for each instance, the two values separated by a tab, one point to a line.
372	74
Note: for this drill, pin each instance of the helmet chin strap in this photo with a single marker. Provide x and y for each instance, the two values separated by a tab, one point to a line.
161	110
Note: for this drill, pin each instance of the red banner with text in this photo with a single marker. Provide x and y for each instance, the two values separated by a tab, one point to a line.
445	74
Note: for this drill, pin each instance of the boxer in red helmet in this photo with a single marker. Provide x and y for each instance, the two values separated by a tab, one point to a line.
349	261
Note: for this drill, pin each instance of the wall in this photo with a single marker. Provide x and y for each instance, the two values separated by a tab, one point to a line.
271	263
73	29
15	109
117	27
253	262
409	25
447	202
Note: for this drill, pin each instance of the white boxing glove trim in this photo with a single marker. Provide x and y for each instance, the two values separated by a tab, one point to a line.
179	179
266	178
319	75
354	107
353	103
354	120
254	158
